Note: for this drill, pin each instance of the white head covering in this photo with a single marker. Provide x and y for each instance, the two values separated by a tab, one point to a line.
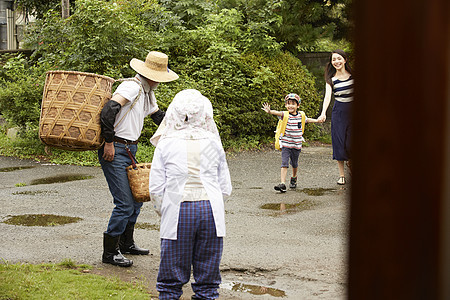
189	116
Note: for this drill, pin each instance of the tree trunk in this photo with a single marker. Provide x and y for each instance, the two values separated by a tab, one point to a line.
65	9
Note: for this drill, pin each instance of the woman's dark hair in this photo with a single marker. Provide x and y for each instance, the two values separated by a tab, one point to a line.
330	70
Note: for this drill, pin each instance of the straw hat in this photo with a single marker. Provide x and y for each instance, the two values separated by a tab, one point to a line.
154	68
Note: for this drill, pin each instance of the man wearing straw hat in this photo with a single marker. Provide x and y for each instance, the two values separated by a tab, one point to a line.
122	120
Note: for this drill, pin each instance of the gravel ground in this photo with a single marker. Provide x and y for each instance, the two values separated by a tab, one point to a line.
278	246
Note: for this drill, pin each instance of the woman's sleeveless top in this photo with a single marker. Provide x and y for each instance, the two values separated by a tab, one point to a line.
343	90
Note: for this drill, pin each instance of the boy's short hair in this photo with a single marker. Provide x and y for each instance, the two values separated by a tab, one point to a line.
294	97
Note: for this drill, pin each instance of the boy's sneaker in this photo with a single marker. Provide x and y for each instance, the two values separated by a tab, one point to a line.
293	184
281	187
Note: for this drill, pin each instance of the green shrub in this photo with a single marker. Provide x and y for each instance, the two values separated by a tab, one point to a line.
238	66
21	87
272	79
217	59
237	85
22	147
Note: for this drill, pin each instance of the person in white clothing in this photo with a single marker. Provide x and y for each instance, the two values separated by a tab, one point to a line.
188	180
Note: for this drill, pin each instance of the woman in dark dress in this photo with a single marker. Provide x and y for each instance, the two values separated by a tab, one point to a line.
339	82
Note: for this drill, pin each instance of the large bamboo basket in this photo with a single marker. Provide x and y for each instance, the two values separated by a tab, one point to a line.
70	111
138	177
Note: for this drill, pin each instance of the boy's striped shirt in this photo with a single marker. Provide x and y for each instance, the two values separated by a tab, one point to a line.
293	136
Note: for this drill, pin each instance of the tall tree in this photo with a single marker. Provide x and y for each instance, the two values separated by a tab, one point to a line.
193	13
306	21
296	24
65	9
39	8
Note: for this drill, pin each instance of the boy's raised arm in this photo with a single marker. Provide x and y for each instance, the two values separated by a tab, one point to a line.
266	108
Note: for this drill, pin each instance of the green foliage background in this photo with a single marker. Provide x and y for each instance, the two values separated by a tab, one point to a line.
225	49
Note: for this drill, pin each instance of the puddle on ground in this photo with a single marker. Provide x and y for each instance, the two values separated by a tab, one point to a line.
253	289
288	207
34	193
318	191
60	179
40	220
147	226
10	169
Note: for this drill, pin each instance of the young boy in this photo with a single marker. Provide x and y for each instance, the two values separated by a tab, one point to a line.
291	140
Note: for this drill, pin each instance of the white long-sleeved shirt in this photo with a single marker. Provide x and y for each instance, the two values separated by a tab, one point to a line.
183	170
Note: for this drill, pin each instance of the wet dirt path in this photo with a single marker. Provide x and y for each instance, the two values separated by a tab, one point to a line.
278	246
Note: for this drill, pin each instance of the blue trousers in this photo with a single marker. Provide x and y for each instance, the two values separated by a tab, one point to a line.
126	210
197	244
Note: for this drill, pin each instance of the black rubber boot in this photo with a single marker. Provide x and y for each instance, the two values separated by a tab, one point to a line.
127	244
111	253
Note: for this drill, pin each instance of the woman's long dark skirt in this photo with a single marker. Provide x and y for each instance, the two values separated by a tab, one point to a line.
341	130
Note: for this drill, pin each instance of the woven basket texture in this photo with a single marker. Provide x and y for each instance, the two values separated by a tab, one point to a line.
70	111
138	178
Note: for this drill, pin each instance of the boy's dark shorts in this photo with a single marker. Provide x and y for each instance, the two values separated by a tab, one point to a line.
292	154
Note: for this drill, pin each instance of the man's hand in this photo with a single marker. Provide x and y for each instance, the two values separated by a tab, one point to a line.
108	151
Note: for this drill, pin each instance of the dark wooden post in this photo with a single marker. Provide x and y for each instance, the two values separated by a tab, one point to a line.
400	200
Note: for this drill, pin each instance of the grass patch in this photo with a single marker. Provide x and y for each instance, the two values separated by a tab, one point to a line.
65	280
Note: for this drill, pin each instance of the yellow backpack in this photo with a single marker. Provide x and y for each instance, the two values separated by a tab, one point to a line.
281	127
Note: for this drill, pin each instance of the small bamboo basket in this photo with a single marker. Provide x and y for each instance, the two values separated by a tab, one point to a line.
70	111
138	178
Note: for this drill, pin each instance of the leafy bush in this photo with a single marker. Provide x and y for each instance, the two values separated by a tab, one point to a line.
237	85
236	64
236	80
21	87
272	79
22	147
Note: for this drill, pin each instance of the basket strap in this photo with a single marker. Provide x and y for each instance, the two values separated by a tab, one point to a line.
133	159
141	88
